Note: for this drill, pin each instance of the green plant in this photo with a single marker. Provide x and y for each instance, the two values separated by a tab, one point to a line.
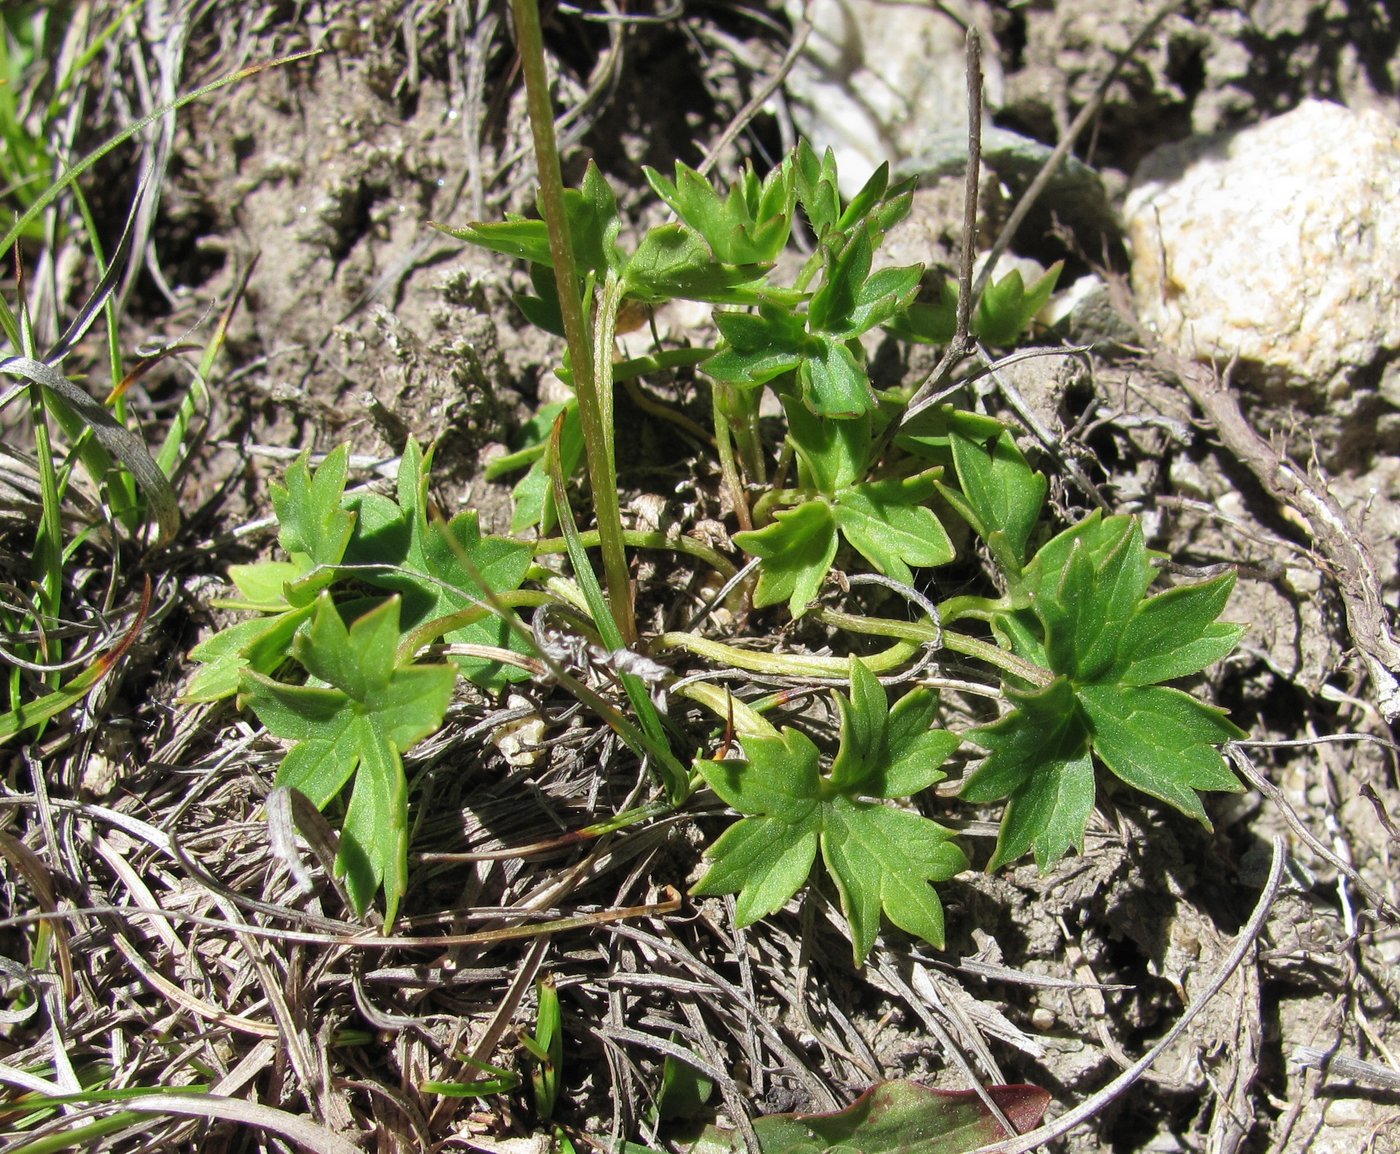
881	857
1078	644
864	481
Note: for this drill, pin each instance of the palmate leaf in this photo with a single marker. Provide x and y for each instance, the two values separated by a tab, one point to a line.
371	708
886	521
750	225
889	523
314	529
430	564
1109	643
998	494
883	859
797	550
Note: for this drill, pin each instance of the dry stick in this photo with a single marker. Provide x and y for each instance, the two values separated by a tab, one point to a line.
1086	1110
1331	530
930	392
1246	768
1062	149
800	32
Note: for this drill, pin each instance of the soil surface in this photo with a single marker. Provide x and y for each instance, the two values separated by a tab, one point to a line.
312	186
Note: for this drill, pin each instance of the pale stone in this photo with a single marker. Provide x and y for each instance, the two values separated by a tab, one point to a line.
1279	243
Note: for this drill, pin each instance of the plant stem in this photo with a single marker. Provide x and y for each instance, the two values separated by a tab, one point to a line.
728	467
729	708
921	632
781	665
593	388
638	539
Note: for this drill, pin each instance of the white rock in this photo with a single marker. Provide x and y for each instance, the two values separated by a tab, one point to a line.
878	79
1280	242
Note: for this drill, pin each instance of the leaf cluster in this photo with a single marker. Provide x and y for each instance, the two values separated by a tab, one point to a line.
881	857
1077	643
1080	610
350	696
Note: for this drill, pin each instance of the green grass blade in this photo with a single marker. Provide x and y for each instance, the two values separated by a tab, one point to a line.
673	774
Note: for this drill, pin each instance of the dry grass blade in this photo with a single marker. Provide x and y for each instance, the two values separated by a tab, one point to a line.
217	1109
1348	558
31	867
113	436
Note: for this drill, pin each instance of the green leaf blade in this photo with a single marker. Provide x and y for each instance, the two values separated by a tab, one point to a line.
892	528
796	553
1175	634
763	860
1163	742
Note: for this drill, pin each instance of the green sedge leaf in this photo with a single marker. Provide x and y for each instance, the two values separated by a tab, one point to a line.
1175	634
1162	742
888	523
796	553
890	1118
534	439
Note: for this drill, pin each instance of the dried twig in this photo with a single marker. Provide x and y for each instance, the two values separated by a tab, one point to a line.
1350	560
